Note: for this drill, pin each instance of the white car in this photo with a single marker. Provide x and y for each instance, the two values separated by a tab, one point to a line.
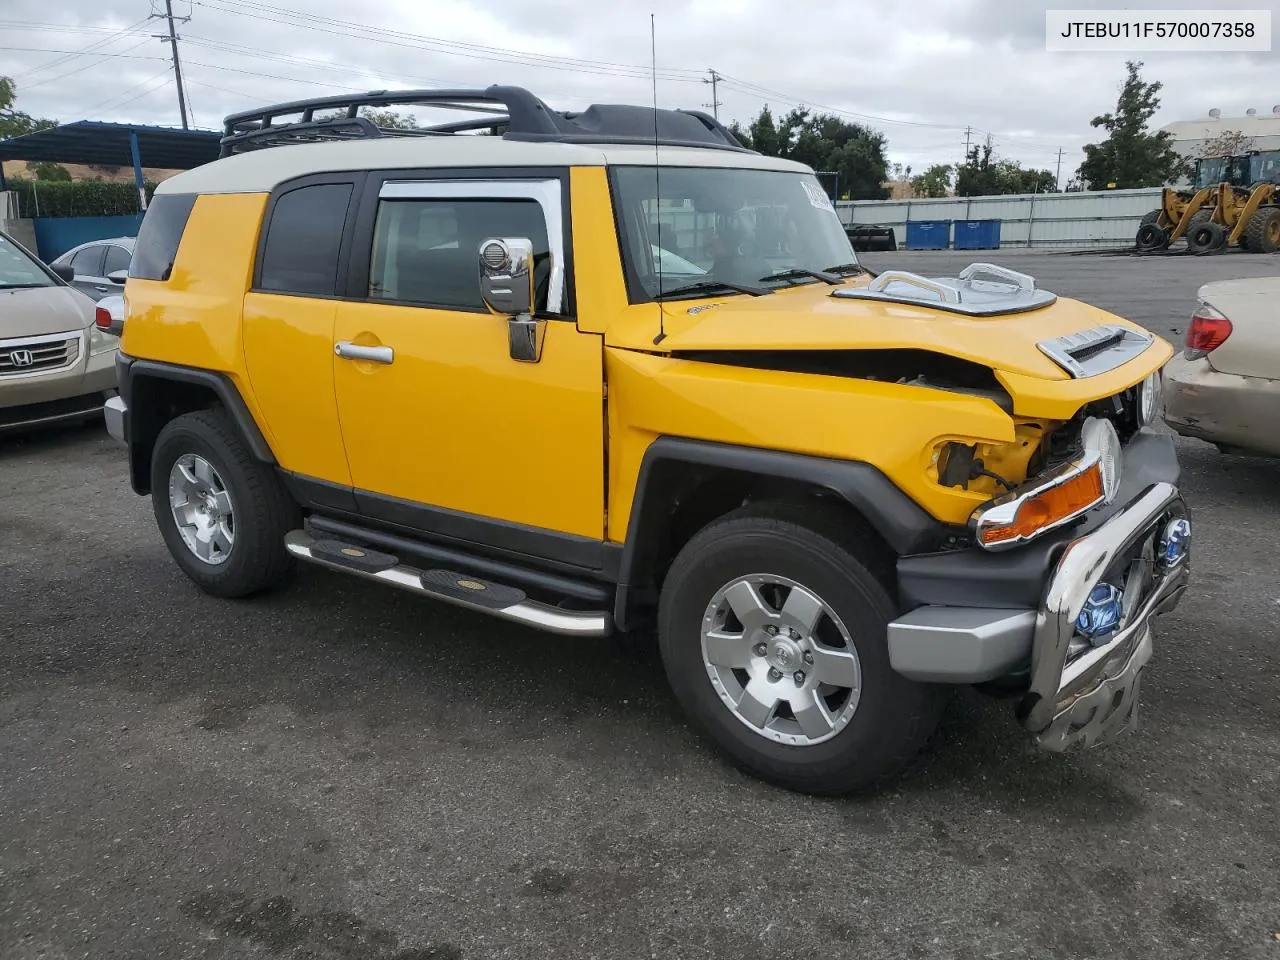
1225	385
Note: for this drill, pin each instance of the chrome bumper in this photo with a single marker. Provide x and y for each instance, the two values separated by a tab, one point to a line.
113	411
1077	694
1093	696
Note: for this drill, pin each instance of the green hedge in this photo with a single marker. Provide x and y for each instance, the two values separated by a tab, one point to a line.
81	198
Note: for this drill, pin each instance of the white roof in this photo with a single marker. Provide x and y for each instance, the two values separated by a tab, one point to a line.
258	171
1262	125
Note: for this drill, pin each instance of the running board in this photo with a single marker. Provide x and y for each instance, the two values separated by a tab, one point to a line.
495	599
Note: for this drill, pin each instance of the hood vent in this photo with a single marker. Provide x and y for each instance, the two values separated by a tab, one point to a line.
1002	292
1096	350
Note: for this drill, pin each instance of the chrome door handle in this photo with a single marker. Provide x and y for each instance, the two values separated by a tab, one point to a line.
352	351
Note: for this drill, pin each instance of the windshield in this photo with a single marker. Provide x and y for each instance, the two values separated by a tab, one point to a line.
1211	171
19	270
1265	167
710	225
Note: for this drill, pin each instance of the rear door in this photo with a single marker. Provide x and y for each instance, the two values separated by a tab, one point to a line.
288	325
87	264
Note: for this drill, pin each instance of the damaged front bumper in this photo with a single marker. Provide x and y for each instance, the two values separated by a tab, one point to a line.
1084	694
969	624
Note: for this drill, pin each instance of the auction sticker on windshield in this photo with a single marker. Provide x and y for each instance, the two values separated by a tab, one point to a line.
818	197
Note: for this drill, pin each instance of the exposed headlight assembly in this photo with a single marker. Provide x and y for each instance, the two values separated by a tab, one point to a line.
1150	399
1049	501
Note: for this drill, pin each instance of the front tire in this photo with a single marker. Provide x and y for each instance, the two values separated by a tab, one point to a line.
223	514
773	636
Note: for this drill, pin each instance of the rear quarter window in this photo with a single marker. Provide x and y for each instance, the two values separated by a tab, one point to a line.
303	241
156	247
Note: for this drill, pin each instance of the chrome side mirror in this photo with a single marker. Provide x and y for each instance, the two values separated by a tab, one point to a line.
118	276
507	286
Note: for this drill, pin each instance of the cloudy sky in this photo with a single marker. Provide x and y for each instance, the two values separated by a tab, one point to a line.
920	71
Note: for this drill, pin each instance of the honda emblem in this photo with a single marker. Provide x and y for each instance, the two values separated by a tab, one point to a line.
21	358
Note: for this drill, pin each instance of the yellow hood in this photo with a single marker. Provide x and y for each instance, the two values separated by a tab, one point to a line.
809	318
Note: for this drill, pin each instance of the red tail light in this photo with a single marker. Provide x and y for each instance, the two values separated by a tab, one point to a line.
1208	331
102	317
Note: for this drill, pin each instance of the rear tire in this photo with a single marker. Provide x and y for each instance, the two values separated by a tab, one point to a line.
1152	236
1206	237
779	547
234	509
1263	230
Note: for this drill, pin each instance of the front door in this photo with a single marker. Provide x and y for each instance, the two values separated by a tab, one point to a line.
444	431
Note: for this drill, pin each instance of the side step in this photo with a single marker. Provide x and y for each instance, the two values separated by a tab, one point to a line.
498	600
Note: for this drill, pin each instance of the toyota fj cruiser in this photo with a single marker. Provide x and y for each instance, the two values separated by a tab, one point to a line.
598	371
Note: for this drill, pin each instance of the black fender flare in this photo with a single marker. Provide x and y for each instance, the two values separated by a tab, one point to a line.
905	526
142	423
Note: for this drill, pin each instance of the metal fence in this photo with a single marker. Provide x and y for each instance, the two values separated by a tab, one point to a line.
1107	218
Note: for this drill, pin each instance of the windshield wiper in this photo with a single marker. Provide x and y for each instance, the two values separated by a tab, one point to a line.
792	273
700	286
847	269
23	286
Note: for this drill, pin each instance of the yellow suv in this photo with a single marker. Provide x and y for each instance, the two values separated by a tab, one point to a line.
608	371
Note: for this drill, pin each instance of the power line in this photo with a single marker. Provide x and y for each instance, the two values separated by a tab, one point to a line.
411	41
82	68
93	48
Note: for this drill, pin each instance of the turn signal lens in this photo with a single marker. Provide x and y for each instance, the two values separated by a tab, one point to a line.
1049	508
102	317
1208	331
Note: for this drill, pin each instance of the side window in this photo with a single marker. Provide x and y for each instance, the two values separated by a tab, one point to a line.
303	237
427	251
88	262
157	245
117	259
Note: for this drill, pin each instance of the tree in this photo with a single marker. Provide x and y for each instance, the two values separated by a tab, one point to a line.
15	123
390	119
825	142
1131	156
47	171
985	175
934	182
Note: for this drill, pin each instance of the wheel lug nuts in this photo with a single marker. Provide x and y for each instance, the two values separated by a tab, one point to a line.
771	631
759	649
775	674
808	657
799	678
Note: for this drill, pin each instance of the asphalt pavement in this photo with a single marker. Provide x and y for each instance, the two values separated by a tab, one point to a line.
342	772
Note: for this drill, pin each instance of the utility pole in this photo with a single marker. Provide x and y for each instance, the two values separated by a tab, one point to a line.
967	133
1057	176
172	39
715	98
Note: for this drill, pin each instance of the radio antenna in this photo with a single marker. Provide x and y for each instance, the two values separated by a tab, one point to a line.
657	181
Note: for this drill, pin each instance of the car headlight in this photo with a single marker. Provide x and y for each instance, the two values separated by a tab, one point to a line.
1150	399
100	342
1047	502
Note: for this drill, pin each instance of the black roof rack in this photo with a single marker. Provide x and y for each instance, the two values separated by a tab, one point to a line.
510	112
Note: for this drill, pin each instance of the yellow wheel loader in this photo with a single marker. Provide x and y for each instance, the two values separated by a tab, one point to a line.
1182	211
1246	208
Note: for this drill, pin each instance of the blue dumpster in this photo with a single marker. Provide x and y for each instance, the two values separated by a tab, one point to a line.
928	234
977	235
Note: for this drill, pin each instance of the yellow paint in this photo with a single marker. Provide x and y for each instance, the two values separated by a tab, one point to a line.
891	426
809	318
288	349
1060	399
194	318
600	288
454	422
